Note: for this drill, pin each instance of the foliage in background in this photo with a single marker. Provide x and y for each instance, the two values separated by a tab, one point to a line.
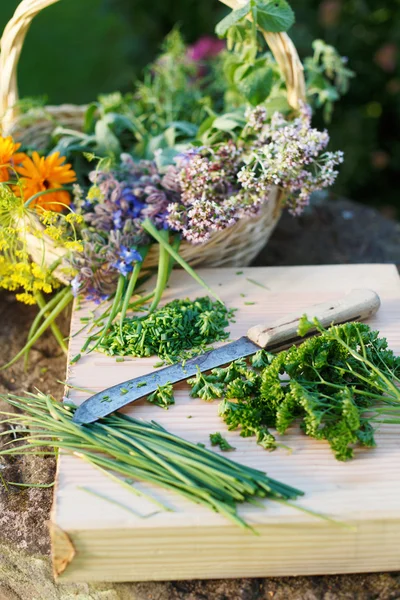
366	124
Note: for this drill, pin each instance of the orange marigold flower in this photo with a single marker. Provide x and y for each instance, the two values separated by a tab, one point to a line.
41	173
9	157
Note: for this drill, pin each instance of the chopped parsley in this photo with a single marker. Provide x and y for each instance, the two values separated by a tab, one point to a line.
216	439
163	396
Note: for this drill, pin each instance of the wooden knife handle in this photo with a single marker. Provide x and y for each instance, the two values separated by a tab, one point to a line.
356	306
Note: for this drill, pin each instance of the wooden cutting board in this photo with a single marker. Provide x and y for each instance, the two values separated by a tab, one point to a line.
95	540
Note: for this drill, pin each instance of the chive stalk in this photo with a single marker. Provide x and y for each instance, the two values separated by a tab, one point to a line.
142	451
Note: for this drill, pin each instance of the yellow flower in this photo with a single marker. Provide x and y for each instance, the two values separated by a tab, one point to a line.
41	173
8	156
73	218
26	298
54	232
75	245
94	193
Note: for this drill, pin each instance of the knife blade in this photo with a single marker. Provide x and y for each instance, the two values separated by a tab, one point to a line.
358	305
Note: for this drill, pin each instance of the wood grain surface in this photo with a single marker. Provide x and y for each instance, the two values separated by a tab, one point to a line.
111	543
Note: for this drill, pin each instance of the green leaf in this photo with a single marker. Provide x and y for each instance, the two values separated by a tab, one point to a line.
228	122
274	16
205	127
107	141
88	126
256	85
165	157
305	325
234	17
184	127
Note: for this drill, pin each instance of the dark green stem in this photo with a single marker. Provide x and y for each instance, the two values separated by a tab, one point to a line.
114	311
163	272
153	231
65	300
44	311
131	286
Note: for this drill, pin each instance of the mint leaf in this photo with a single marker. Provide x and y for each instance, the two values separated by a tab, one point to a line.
274	15
256	85
231	19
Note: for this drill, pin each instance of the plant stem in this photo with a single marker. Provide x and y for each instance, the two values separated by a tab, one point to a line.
65	300
131	286
114	311
153	231
163	272
43	310
54	327
42	193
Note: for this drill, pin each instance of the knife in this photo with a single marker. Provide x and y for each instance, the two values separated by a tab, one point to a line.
357	305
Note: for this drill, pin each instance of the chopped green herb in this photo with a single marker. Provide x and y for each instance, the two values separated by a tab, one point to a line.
159	364
119	359
181	329
216	439
257	283
163	396
141	384
243	295
105	399
239	272
249	303
75	359
189	417
123	391
206	387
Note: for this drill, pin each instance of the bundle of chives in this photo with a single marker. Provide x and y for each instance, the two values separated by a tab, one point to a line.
143	451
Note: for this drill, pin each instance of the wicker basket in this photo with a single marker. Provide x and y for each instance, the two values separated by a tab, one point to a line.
236	246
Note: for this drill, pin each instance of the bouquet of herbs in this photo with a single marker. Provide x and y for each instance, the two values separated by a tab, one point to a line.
197	148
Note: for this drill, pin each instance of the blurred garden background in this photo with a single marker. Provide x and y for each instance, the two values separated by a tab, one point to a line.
77	49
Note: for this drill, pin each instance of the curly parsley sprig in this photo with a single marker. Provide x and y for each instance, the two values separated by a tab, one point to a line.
338	385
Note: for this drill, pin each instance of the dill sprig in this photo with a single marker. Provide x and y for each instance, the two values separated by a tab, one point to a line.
141	451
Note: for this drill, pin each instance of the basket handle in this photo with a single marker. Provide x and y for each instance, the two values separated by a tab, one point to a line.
286	56
11	44
15	31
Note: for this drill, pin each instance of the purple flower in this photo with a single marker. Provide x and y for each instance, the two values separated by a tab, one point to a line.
205	47
122	267
117	219
94	296
130	255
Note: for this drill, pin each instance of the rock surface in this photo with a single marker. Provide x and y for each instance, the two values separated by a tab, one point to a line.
328	232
